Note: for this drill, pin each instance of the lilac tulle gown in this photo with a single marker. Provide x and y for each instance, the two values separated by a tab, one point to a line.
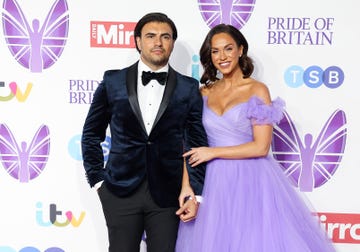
249	205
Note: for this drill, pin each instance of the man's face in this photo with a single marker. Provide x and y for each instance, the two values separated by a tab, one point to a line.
155	44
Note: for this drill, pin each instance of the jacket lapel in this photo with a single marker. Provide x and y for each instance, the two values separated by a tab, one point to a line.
169	89
131	85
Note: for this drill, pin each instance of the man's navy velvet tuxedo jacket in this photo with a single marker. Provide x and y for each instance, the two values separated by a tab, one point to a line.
135	155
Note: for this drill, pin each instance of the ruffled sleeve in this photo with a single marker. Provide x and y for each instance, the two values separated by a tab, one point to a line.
261	113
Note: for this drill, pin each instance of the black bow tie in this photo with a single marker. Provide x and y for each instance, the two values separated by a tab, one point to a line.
146	77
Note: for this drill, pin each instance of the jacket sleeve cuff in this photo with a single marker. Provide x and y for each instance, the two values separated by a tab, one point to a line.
94	178
98	185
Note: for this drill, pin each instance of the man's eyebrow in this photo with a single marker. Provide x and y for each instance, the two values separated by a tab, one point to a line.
166	34
149	33
162	34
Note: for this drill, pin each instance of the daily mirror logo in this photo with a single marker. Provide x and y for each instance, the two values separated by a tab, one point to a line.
112	34
341	227
35	45
235	12
24	161
312	162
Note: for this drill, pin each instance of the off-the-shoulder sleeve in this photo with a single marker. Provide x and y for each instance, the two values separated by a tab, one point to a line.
261	113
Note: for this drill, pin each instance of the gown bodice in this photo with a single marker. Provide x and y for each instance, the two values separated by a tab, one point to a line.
234	126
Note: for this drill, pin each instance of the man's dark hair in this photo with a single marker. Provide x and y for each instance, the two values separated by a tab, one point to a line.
154	17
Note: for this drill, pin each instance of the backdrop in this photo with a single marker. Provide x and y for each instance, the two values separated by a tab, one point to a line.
53	54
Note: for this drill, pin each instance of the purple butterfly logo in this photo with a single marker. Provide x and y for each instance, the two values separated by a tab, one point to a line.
236	12
34	47
24	162
310	164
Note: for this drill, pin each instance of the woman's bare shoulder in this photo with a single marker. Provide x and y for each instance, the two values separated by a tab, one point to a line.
260	90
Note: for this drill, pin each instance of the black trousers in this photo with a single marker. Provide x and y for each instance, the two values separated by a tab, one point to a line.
128	217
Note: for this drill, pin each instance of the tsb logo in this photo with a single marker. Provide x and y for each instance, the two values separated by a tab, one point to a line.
74	148
314	76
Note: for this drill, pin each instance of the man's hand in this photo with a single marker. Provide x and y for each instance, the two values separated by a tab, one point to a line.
188	210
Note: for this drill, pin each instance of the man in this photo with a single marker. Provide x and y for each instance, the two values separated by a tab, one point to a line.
152	122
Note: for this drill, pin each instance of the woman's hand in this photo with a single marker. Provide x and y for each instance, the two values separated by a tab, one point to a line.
198	155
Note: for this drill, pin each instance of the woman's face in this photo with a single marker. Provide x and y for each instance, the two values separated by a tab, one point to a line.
225	53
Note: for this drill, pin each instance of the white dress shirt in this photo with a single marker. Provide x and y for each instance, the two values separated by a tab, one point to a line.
149	96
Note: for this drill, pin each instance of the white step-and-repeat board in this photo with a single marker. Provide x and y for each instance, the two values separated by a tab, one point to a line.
52	57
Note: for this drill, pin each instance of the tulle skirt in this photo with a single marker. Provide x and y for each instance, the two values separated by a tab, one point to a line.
251	206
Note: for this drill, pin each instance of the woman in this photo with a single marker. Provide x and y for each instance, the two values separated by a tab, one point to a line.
248	203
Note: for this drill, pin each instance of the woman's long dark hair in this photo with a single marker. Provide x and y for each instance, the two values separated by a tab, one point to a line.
210	72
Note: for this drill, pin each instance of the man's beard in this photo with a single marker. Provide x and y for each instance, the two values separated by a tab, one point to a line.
159	62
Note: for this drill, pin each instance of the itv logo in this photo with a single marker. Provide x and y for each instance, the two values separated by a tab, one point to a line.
56	217
14	92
